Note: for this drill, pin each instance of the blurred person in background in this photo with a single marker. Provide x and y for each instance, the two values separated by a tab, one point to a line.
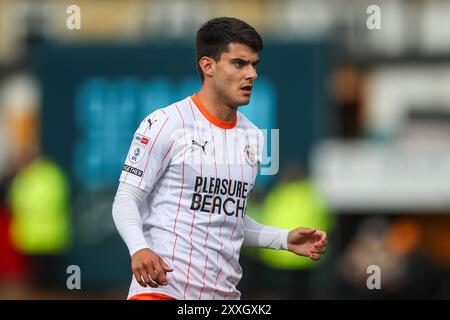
13	264
347	86
393	245
435	247
180	205
38	191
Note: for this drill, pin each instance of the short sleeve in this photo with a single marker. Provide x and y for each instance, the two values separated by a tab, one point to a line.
150	151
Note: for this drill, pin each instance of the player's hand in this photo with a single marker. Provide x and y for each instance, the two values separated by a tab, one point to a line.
307	242
149	268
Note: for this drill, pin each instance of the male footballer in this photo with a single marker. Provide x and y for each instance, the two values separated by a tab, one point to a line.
181	202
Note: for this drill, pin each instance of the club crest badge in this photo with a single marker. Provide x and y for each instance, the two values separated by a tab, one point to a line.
250	156
138	148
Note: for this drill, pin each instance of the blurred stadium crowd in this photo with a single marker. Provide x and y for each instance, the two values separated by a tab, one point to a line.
364	139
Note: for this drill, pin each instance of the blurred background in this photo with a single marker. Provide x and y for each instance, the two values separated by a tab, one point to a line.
364	139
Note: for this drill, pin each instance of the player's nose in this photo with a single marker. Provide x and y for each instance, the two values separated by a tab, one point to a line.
252	74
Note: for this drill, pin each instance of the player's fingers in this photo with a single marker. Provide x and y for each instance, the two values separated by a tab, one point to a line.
314	257
137	275
321	241
146	270
161	276
319	244
152	276
164	265
319	250
306	231
318	235
148	277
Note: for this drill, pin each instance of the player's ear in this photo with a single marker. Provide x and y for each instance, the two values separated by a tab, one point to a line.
207	66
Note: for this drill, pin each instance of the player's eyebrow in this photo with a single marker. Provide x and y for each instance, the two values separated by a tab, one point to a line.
244	61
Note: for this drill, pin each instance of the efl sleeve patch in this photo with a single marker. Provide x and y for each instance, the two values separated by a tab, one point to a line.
148	155
138	148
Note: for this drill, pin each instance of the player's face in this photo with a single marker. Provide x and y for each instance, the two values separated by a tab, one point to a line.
235	73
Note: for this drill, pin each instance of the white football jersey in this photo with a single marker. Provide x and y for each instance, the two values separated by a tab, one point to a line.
199	171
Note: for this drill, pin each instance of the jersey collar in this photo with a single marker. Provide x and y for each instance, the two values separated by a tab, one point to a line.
214	120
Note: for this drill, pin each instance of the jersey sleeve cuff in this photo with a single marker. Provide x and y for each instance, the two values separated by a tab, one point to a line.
137	248
284	239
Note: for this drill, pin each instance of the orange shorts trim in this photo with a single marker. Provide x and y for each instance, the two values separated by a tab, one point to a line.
151	296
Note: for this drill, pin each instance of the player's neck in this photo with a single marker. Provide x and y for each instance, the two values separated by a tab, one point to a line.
215	107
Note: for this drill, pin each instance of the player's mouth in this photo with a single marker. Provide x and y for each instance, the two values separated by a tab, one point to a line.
247	90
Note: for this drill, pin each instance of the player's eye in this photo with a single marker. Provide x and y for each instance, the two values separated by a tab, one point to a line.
239	63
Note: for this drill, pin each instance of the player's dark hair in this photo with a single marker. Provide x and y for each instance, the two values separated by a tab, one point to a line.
214	36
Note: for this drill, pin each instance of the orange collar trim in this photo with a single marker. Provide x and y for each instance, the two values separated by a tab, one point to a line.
214	120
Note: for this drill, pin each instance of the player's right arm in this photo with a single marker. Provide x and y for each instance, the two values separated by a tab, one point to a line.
147	267
147	159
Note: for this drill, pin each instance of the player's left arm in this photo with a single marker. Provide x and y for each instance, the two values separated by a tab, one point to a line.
304	242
